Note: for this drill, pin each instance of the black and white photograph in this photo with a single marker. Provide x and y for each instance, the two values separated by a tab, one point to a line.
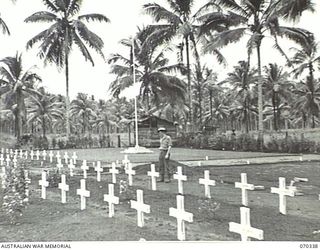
183	122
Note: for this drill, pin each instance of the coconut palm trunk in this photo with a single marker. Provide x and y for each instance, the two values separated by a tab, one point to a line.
189	83
260	101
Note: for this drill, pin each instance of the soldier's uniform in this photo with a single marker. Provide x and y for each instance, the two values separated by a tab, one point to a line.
165	143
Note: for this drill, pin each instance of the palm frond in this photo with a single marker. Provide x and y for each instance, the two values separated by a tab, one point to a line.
94	17
41	16
4	27
159	13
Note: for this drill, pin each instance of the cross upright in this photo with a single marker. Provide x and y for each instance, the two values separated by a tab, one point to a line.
114	172
83	193
181	216
125	161
99	170
64	188
1	159
140	207
180	177
44	184
51	156
244	228
66	157
7	151
58	156
31	154
8	160
59	165
26	154
38	154
207	183
21	154
244	186
84	167
130	172
16	152
111	199
44	155
71	167
283	192
153	174
74	158
11	151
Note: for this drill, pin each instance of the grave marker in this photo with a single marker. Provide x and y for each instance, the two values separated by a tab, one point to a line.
44	155
66	157
83	193
244	228
8	160
44	184
99	170
74	158
153	174
84	167
140	207
181	216
21	154
64	188
38	154
31	154
1	159
207	183
114	172
130	172
26	154
180	177
58	156
244	186
59	165
51	156
126	161
71	167
111	199
283	192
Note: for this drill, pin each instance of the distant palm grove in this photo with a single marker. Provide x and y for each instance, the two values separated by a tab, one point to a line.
254	98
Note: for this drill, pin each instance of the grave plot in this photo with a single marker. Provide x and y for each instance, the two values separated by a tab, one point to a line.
210	220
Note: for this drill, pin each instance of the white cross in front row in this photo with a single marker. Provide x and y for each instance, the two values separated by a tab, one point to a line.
283	192
244	228
51	156
99	170
140	207
181	216
64	188
130	172
207	183
244	187
180	177
83	193
84	167
114	172
44	184
111	199
153	174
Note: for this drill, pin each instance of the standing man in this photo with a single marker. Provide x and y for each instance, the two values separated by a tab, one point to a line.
164	157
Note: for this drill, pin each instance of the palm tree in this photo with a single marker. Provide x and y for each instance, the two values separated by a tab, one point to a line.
255	17
151	71
66	30
15	85
84	110
44	109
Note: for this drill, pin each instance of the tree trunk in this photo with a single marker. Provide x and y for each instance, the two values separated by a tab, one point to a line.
43	127
189	83
18	114
260	101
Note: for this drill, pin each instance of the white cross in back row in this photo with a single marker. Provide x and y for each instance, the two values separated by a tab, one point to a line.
51	156
180	177
130	172
38	154
283	192
114	172
111	199
74	158
31	154
83	193
99	170
44	155
181	216
153	174
140	207
58	156
244	228
244	187
207	183
66	157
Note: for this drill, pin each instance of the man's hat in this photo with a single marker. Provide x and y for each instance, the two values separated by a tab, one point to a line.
162	129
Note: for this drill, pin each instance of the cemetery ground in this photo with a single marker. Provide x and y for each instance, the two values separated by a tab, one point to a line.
49	220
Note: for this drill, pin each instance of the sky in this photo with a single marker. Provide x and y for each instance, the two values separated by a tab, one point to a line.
125	16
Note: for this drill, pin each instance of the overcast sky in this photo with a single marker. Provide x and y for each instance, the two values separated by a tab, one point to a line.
125	16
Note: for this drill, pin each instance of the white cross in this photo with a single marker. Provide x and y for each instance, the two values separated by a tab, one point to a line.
31	154
111	199
114	172
207	183
98	169
126	161
26	154
83	193
51	156
64	188
16	152
244	187
71	167
153	174
8	160
1	159
44	154
66	157
7	151
245	229
180	177
38	154
58	156
130	172
59	165
11	151
3	177
74	158
140	207
44	184
283	192
84	167
20	153
181	216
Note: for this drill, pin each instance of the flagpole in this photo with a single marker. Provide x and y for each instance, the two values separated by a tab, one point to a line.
135	98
